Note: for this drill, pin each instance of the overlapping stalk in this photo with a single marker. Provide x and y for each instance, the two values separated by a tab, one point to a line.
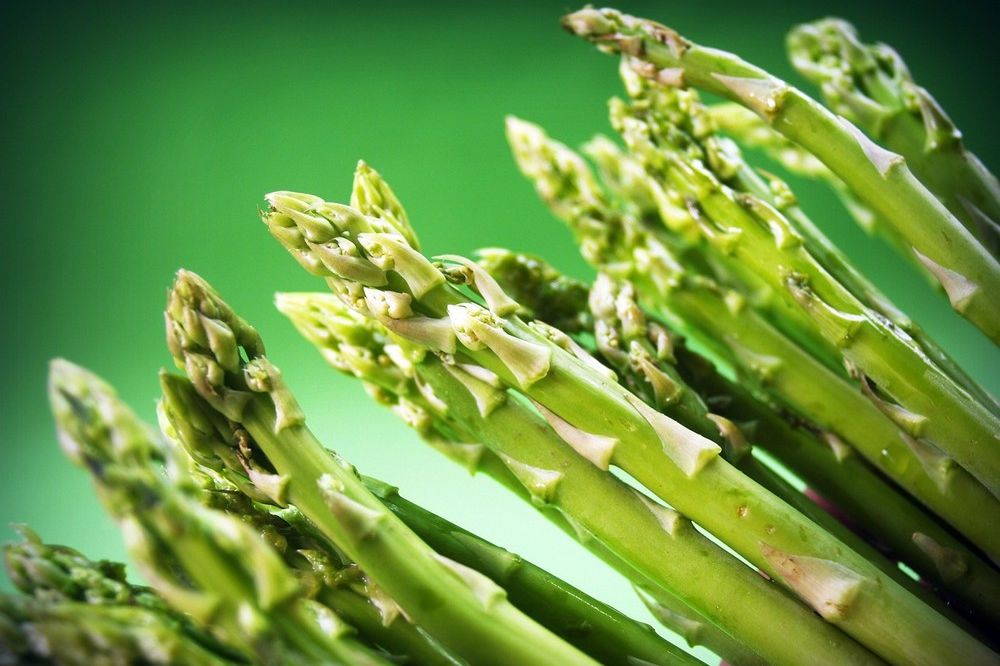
829	467
880	178
614	242
360	347
654	541
204	563
224	358
594	627
870	85
382	276
695	128
923	400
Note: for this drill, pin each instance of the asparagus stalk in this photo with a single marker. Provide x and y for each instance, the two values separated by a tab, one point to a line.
679	466
204	563
830	468
595	628
224	358
604	509
967	272
72	633
755	132
723	159
615	243
923	400
59	574
324	572
78	611
360	348
871	86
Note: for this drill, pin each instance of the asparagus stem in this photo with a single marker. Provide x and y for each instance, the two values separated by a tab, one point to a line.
73	633
753	131
600	511
615	243
840	476
871	86
325	573
922	398
60	574
355	345
205	563
879	177
594	627
462	609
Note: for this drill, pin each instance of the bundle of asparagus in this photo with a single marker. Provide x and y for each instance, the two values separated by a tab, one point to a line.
731	416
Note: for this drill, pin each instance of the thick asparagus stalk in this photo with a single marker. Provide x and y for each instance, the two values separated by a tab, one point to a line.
750	129
830	468
695	134
676	464
594	627
967	272
603	508
615	243
204	563
924	401
359	347
871	86
224	358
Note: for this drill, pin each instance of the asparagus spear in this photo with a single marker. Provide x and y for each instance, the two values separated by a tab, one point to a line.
604	509
595	628
615	243
829	467
746	126
72	633
58	574
204	563
923	400
360	348
324	572
679	466
967	272
871	86
724	160
224	358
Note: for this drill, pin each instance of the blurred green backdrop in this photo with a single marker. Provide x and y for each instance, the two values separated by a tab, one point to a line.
140	138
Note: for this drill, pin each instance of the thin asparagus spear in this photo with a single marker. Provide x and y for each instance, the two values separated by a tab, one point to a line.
224	358
829	467
204	563
615	243
632	541
967	272
676	464
871	86
924	401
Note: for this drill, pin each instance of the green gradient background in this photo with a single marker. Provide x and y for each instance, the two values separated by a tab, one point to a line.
138	140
